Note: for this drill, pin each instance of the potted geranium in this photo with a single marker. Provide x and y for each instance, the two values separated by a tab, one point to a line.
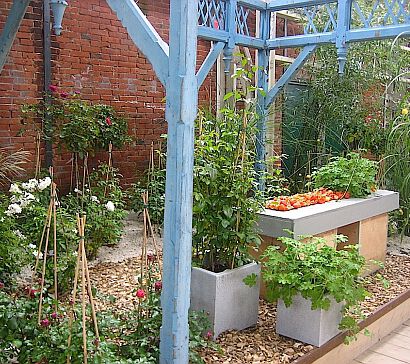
317	287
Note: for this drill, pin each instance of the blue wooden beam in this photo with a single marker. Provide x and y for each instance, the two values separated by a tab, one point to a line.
385	32
16	15
144	35
254	4
214	35
263	83
289	73
278	5
301	40
181	111
209	62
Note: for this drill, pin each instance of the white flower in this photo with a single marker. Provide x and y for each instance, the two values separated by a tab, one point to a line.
39	256
95	199
76	190
14	188
13	209
44	183
19	234
32	246
31	185
14	199
110	206
75	253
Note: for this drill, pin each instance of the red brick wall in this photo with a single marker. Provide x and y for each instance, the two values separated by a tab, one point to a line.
95	56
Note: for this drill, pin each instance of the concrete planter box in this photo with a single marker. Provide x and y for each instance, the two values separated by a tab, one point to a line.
231	304
300	322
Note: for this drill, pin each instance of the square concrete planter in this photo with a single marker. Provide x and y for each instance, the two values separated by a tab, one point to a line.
231	304
300	322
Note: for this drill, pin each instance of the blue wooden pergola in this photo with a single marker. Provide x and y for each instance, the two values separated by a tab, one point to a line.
226	23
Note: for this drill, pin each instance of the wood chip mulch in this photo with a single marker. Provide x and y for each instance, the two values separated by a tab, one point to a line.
257	345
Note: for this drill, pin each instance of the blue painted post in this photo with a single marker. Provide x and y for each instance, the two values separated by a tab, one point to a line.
344	11
231	28
11	27
181	110
263	83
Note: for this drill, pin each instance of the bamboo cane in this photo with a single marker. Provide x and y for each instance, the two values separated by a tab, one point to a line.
145	199
89	288
43	274
41	242
144	243
109	168
74	296
54	192
84	319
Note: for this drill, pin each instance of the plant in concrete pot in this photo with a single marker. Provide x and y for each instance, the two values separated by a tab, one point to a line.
318	288
224	217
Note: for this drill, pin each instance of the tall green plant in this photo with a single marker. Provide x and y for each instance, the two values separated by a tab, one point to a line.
225	201
336	113
397	160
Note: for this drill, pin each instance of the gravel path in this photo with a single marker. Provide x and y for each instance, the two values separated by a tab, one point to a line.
115	270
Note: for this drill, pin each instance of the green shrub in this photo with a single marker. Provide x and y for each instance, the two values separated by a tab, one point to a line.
103	204
352	174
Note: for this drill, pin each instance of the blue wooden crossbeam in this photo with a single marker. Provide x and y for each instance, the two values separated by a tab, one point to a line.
11	27
290	72
278	5
209	62
144	35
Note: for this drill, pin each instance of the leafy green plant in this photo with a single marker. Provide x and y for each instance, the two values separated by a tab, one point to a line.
77	125
23	338
103	203
352	174
318	272
139	327
397	164
26	214
225	196
153	182
13	252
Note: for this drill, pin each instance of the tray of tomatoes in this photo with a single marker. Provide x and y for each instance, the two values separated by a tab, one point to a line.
319	196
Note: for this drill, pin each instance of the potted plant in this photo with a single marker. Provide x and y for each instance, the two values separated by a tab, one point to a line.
224	220
317	287
351	174
226	202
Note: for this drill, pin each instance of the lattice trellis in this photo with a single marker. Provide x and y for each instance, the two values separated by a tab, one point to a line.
320	18
380	12
241	19
211	13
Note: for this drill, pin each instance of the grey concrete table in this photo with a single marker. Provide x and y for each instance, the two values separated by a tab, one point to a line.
363	220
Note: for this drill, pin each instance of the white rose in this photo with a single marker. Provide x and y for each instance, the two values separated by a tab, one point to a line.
110	206
44	183
32	246
14	209
19	234
76	190
40	255
14	188
95	199
31	185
